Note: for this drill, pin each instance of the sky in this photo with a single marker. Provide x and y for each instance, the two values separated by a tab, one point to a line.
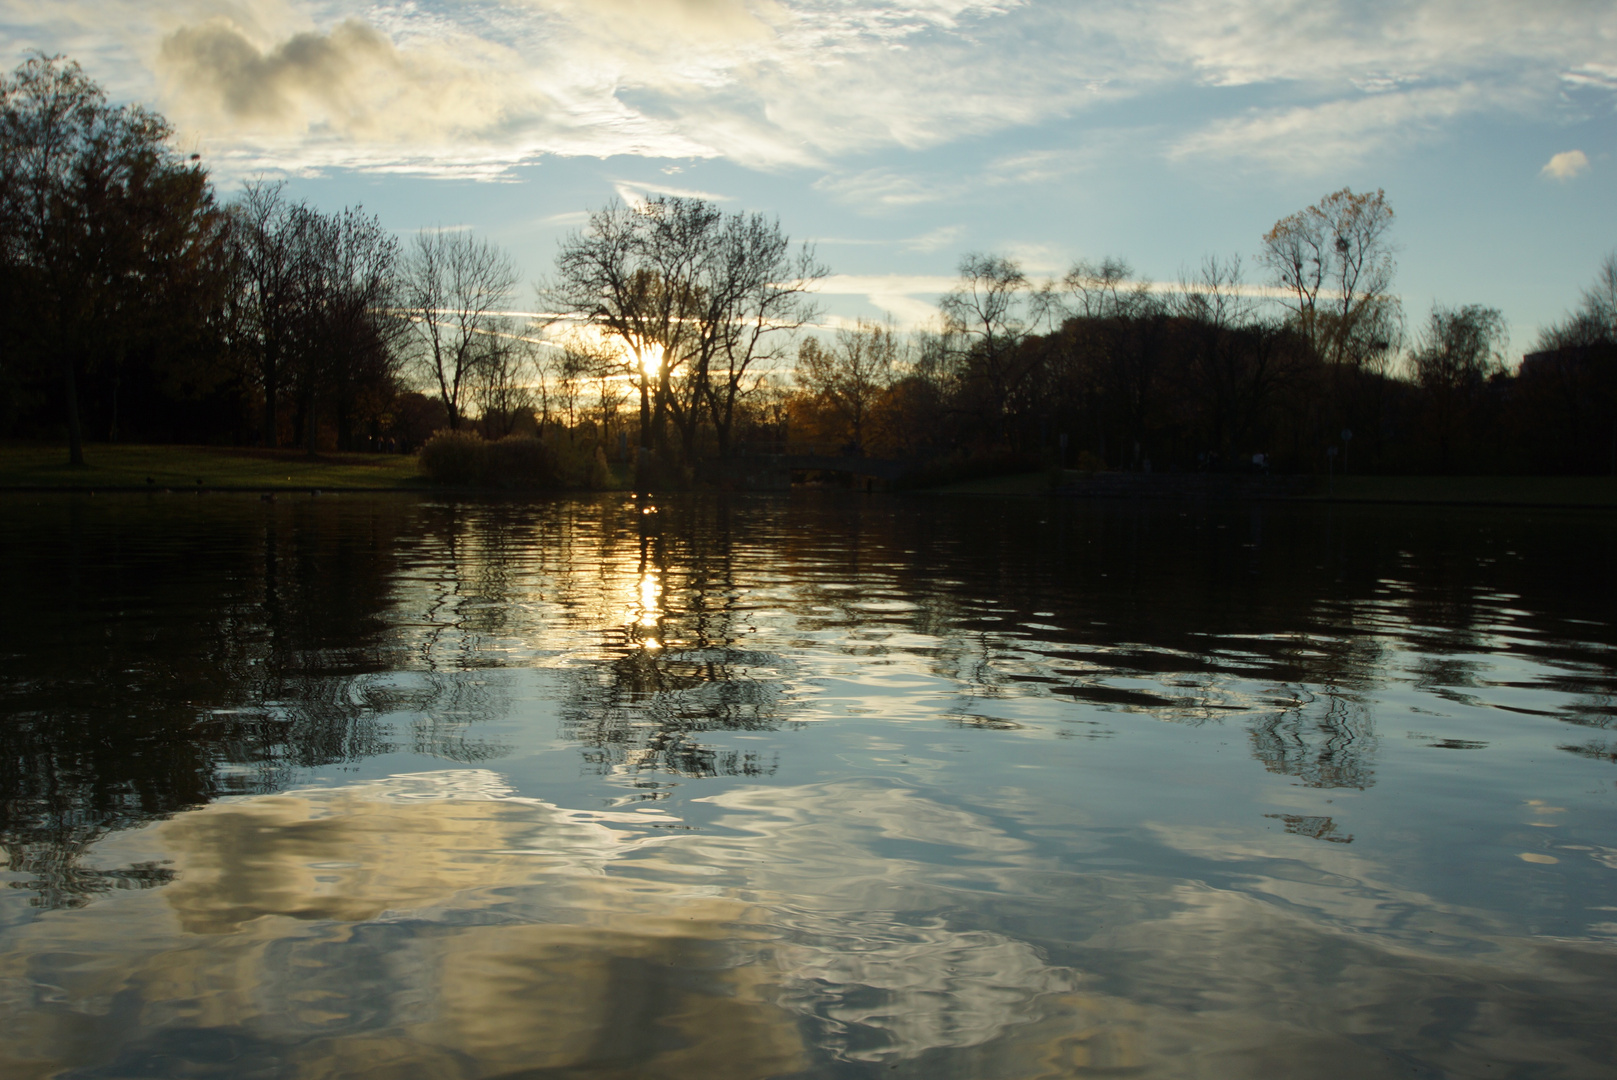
900	135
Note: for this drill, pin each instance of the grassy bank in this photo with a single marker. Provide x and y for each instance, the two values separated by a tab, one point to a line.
107	466
1491	490
1593	491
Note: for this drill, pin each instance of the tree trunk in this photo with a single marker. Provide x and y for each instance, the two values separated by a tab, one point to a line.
271	437
70	389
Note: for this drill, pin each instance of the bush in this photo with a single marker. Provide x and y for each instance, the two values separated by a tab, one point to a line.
459	458
465	459
521	461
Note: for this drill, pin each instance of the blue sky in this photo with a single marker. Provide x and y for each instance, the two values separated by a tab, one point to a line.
900	135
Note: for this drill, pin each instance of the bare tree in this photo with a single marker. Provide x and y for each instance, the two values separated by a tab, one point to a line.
1595	320
696	301
986	319
1104	290
505	384
455	290
271	255
1334	262
1216	294
851	374
348	354
752	300
632	273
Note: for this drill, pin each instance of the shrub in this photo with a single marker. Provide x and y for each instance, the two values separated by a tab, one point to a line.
459	458
465	459
521	461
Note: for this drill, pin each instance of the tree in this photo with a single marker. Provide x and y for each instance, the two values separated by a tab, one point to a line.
1104	290
270	252
986	319
1569	384
1333	261
1595	320
1457	352
102	225
350	353
851	375
454	291
505	384
1237	360
752	298
694	300
631	273
1113	348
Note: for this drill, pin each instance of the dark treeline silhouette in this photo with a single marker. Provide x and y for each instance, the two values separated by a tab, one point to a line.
134	306
1308	373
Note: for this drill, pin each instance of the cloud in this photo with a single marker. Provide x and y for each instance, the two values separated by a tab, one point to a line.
1565	165
666	23
910	299
635	192
887	188
934	240
885	284
444	86
352	96
1322	138
1601	76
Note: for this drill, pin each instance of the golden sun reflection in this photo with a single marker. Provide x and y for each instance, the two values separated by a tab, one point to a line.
649	610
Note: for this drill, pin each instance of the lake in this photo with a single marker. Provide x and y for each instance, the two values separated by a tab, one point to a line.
817	785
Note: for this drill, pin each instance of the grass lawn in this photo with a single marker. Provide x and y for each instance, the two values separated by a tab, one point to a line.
44	465
1481	490
1035	483
1520	490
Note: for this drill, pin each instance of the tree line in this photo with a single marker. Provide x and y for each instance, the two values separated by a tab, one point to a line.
136	305
1308	369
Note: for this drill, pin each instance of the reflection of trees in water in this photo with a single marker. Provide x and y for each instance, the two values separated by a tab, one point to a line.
1325	741
674	669
178	650
168	651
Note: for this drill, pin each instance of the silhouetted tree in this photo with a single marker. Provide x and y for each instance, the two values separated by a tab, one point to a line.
106	234
851	374
455	290
1459	349
696	301
1333	261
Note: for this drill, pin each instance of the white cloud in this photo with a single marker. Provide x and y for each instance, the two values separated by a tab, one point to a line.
634	192
885	284
887	188
1566	165
444	86
1322	138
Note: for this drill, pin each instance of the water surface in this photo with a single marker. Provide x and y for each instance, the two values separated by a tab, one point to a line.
804	787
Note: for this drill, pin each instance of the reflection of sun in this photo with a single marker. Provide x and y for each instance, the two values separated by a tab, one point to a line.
648	600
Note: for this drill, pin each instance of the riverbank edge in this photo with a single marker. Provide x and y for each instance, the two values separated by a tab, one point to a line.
1526	492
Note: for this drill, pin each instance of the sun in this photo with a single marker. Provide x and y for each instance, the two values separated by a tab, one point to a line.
651	358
